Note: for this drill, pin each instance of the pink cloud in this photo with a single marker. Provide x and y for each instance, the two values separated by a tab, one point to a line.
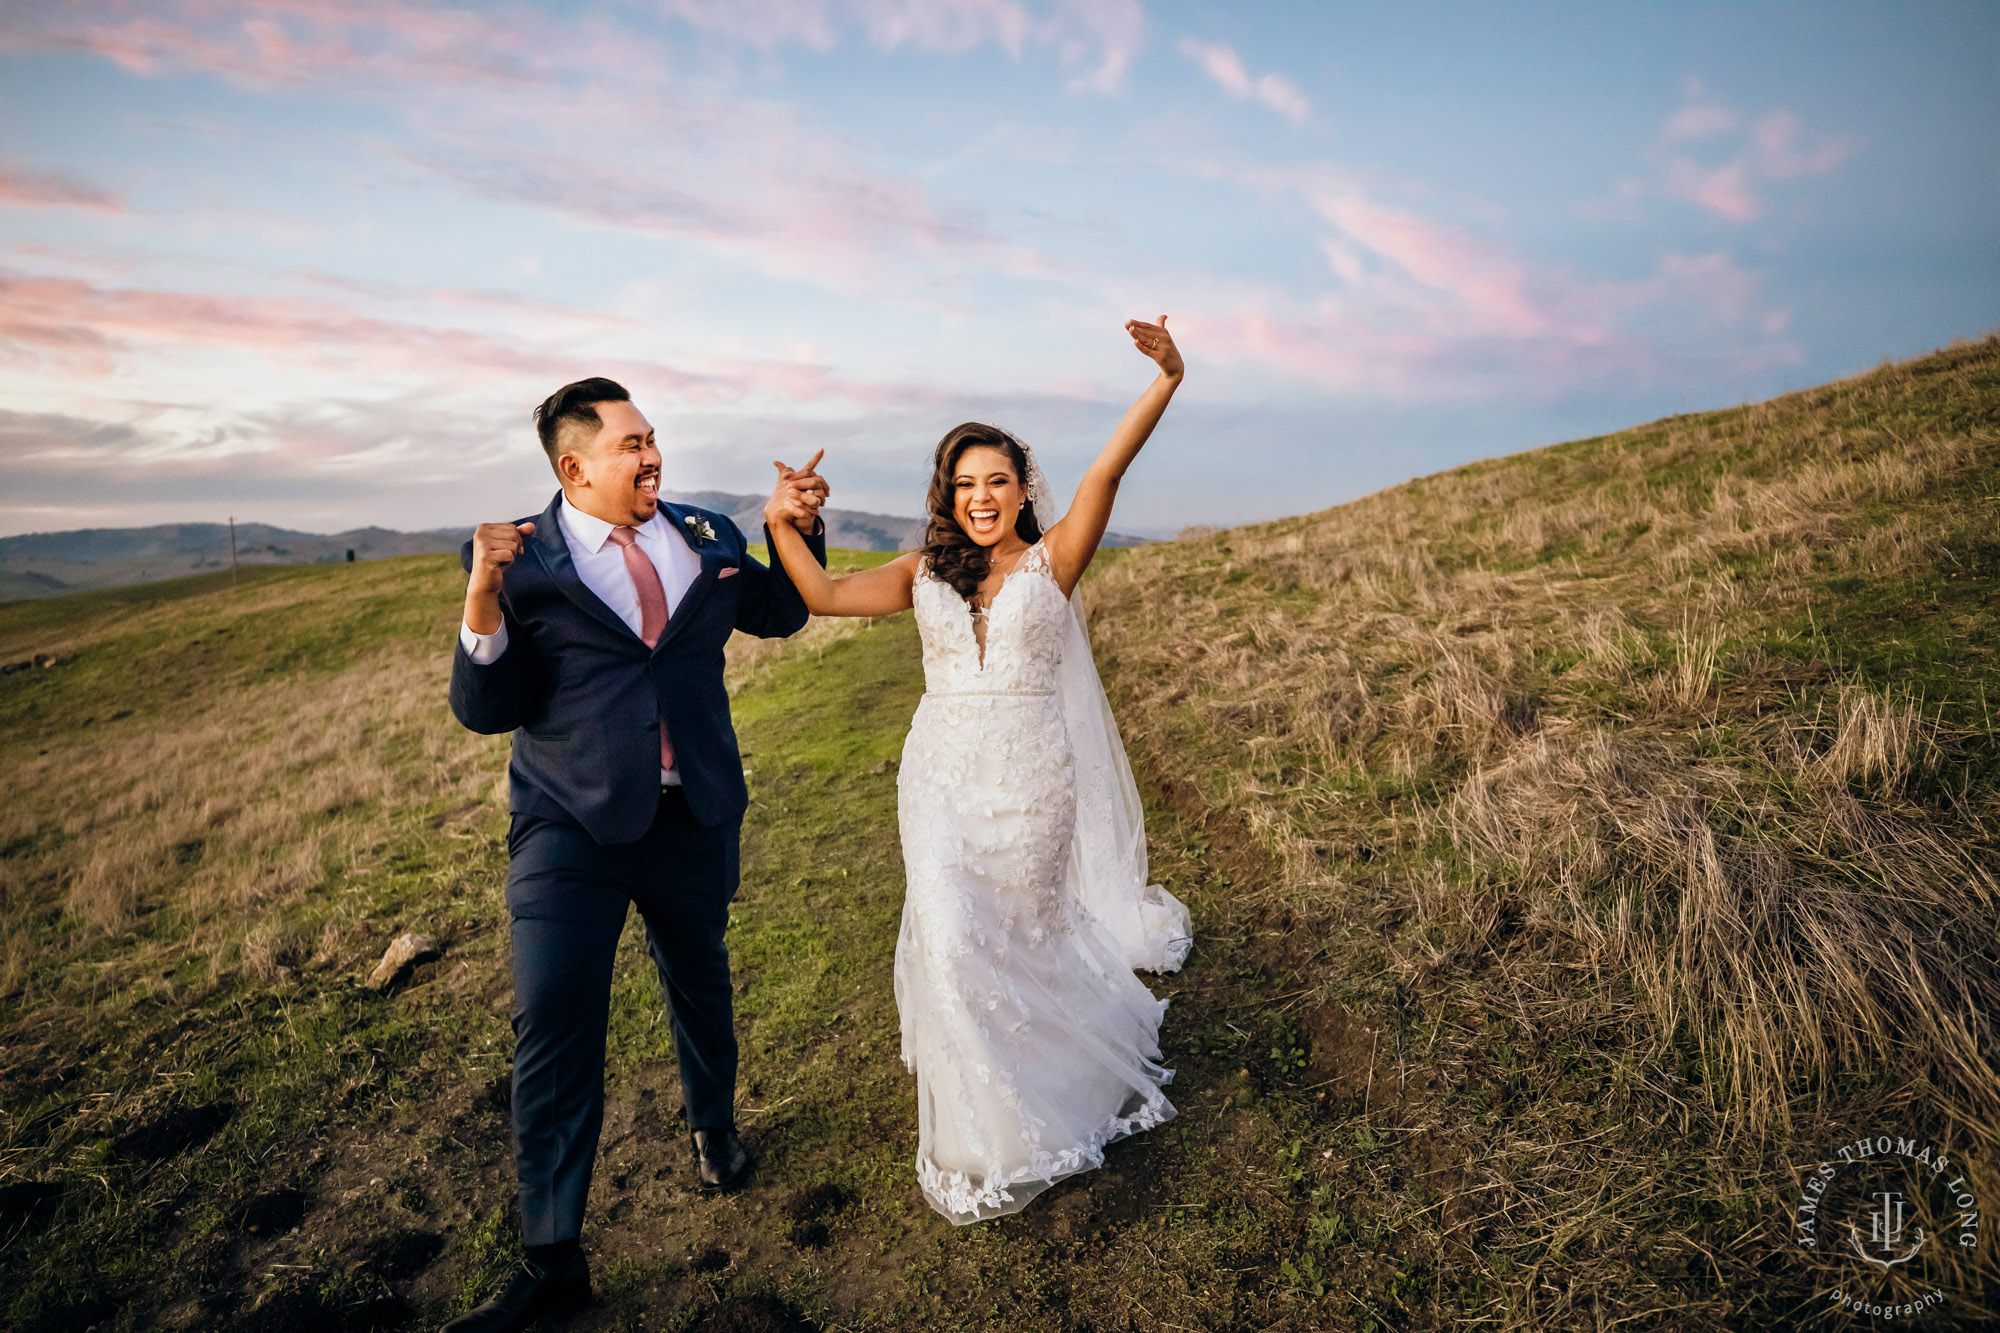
945	25
1412	303
748	178
780	197
1713	281
71	327
1417	307
39	189
1701	120
544	316
374	42
86	326
344	43
1225	68
1101	35
764	24
1480	283
1590	333
316	395
1724	191
1730	183
1778	153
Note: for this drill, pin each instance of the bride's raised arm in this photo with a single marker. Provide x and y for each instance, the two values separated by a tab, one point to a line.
1072	542
881	591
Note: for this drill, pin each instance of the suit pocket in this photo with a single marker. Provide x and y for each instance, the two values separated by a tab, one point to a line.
728	571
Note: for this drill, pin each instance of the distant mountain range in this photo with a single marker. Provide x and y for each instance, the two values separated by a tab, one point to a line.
45	564
850	528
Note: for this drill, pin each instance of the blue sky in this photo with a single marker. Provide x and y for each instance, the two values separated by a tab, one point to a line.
311	262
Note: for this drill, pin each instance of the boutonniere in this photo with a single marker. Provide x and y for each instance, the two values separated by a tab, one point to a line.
698	526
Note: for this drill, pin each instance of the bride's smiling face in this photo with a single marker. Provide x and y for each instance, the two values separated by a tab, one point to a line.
986	494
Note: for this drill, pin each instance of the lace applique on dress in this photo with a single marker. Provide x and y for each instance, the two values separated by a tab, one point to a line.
1033	1043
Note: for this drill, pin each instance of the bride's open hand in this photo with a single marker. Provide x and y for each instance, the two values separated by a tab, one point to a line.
1156	342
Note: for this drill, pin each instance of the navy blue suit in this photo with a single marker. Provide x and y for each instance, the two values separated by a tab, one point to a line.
584	696
592	830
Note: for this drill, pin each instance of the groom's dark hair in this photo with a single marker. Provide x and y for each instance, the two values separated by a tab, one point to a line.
575	405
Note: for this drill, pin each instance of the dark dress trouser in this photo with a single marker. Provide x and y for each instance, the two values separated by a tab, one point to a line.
566	893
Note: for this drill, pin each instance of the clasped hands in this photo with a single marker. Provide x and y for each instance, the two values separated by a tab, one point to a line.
797	496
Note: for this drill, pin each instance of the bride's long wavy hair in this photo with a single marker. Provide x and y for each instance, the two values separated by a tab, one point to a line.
952	555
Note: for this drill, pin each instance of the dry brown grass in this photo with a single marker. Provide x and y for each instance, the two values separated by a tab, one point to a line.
225	818
225	823
1596	747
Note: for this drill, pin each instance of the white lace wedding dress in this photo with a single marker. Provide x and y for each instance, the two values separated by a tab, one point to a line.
1033	1043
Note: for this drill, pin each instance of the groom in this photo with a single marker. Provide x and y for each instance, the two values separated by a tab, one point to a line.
594	633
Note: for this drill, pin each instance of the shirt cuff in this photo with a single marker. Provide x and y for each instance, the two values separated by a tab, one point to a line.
483	649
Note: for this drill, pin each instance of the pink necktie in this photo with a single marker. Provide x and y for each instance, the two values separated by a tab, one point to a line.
652	609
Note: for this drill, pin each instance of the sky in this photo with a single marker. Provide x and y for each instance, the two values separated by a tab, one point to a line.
313	262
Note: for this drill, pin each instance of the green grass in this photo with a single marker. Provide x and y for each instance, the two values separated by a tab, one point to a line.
380	1115
1412	1095
131	655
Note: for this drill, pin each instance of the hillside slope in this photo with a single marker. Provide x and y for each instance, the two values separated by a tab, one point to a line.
1635	800
1579	844
43	564
223	805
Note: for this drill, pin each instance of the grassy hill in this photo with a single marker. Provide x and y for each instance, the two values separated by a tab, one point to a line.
1579	843
1633	802
44	564
224	805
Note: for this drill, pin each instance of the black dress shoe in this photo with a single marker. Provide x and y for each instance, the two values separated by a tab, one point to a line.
722	1159
530	1293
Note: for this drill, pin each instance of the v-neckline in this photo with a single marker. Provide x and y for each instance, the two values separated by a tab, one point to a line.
978	645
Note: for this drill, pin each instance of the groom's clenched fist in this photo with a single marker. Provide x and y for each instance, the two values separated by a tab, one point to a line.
494	547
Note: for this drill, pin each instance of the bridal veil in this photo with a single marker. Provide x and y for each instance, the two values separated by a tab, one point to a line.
1107	861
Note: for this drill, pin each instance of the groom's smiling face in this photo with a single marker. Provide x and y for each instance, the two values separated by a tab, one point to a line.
615	474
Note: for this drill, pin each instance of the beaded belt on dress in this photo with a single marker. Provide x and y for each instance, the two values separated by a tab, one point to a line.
982	694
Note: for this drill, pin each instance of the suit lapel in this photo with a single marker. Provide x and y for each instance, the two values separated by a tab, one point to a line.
696	594
552	548
712	559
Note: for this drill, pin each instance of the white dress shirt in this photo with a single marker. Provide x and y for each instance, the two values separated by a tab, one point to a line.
601	565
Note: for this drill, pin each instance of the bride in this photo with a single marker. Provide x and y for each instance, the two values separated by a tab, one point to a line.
1027	908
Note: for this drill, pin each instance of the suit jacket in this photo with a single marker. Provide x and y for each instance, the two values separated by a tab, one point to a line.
584	696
